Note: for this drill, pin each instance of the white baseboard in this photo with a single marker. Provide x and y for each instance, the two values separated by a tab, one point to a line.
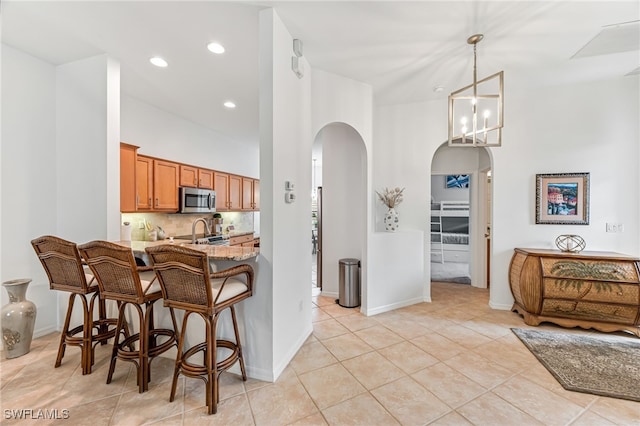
391	307
291	353
500	306
329	294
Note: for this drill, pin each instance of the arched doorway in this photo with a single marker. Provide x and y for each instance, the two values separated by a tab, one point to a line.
461	215
340	170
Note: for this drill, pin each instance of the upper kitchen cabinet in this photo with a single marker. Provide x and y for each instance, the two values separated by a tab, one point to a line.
165	185
188	176
128	154
205	179
228	189
250	194
156	184
144	183
235	192
221	186
195	177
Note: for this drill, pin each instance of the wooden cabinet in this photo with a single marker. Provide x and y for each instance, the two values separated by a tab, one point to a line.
128	154
188	176
156	184
598	290
165	185
221	186
144	183
242	240
230	192
205	179
235	192
195	177
151	184
250	194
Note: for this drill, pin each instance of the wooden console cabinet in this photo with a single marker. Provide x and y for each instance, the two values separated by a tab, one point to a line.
598	290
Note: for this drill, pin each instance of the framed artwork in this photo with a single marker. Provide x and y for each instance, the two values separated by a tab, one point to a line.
457	181
562	198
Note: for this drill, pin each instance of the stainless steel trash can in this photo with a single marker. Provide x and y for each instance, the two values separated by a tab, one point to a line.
349	283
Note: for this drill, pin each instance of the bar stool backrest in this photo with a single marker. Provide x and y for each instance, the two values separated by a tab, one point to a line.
184	277
115	269
61	261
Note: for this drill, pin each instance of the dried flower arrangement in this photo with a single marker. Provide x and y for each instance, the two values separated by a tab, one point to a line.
391	197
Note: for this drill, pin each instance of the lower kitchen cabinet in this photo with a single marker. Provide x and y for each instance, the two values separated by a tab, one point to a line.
242	240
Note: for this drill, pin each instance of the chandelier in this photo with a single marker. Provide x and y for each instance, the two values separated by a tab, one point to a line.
476	111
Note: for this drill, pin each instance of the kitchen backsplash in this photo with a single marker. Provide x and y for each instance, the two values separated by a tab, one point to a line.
180	224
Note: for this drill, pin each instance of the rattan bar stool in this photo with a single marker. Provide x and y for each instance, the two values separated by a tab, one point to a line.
115	269
188	285
61	261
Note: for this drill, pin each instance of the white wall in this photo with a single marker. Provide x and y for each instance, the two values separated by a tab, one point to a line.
581	128
165	135
343	201
337	99
285	153
28	152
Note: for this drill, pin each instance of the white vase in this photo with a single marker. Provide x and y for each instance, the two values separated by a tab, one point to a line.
391	220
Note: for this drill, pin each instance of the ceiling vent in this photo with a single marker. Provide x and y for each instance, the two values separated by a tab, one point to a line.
616	38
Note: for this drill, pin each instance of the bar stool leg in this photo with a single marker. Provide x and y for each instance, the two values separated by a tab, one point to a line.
211	364
146	324
176	369
114	352
87	330
240	356
65	330
102	316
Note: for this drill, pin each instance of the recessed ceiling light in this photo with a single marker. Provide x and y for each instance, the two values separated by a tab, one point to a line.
229	104
158	62
215	47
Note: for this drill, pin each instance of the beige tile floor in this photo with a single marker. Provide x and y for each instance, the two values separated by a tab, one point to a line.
450	362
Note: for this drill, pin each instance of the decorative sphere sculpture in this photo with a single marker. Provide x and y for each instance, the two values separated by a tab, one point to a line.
570	243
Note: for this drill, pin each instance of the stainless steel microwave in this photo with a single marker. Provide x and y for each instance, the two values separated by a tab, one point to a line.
194	200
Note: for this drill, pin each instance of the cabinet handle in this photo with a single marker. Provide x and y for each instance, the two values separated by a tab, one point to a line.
150	202
200	182
137	200
157	203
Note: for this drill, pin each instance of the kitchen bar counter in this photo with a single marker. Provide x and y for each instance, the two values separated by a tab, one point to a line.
214	252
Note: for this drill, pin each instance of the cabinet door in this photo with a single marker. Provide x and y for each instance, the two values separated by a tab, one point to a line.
144	183
221	186
235	192
188	176
256	194
247	193
165	185
127	178
205	179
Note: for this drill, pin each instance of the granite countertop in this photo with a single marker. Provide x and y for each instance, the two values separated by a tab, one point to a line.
214	252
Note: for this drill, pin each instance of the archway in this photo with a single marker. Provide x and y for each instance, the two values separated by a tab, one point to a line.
461	215
340	169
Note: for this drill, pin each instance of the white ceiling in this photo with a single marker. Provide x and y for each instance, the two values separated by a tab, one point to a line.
403	49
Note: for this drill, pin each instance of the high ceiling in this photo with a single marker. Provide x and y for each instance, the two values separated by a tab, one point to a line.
403	49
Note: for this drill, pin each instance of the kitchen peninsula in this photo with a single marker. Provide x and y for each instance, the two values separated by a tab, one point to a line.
214	252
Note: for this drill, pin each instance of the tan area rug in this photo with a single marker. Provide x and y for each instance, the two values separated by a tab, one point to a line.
598	364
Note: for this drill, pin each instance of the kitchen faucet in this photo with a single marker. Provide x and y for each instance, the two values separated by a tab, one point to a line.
193	229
